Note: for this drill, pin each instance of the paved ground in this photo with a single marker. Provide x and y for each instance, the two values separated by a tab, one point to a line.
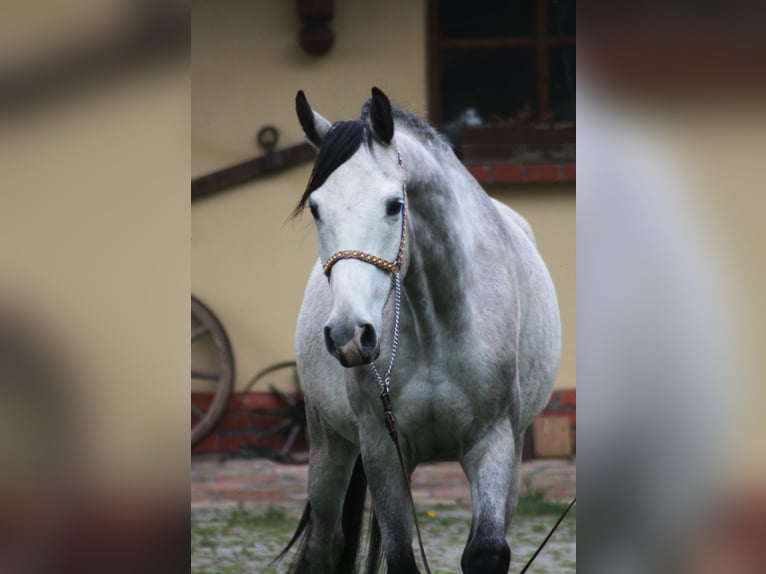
261	483
243	512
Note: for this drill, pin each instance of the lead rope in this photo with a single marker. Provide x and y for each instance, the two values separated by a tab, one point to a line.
555	526
384	383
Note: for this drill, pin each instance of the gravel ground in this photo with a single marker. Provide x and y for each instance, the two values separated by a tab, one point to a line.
235	538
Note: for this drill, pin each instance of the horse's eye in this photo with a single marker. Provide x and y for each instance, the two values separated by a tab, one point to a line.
394	207
314	211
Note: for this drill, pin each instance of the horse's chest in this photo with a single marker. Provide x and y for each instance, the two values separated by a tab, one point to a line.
441	405
437	418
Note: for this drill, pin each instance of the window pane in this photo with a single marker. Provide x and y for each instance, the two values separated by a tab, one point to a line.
486	18
499	83
561	17
562	71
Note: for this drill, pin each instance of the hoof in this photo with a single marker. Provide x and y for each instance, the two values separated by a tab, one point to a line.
484	559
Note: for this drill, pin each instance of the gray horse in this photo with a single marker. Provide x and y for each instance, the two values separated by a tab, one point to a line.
415	262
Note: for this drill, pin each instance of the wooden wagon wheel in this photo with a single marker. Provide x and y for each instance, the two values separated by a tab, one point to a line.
209	338
289	421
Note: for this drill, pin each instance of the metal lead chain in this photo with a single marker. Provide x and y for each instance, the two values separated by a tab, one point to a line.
384	382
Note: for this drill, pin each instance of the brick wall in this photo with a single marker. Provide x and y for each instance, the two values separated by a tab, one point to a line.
500	172
241	427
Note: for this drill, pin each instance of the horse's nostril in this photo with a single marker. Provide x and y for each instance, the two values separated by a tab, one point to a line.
368	338
328	341
350	345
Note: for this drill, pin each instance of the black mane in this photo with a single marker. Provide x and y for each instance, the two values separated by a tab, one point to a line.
412	123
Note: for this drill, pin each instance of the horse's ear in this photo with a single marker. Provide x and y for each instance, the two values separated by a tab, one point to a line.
381	117
314	125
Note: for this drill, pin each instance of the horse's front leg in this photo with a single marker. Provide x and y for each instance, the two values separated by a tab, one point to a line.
488	464
331	460
390	501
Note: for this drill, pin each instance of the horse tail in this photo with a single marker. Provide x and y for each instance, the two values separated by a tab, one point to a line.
374	554
300	534
353	510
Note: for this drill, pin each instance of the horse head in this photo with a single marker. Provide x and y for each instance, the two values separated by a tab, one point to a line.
357	196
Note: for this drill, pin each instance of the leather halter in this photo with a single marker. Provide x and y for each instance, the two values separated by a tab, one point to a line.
389	266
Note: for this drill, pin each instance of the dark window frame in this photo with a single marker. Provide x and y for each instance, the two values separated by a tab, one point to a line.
543	41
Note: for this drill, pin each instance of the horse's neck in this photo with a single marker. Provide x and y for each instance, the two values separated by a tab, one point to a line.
443	204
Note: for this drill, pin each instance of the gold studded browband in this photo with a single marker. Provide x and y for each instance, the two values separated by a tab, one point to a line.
385	265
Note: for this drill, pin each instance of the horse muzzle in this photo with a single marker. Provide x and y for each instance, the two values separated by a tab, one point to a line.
352	346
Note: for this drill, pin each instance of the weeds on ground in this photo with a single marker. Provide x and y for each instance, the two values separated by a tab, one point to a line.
534	503
235	540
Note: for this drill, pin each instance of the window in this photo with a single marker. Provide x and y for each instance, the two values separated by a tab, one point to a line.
501	77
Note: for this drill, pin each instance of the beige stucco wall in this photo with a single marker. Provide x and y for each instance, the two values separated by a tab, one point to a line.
248	263
247	67
550	210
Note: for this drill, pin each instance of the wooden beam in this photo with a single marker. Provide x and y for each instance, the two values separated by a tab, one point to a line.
250	170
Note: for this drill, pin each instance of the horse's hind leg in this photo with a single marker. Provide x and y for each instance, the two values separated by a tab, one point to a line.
488	465
331	461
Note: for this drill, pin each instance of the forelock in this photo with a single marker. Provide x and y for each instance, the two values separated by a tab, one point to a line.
341	142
